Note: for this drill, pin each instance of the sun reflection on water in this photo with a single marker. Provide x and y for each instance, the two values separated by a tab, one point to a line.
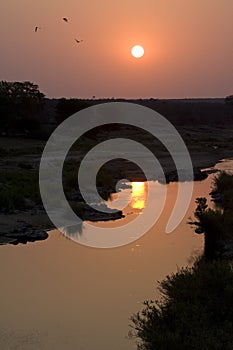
138	195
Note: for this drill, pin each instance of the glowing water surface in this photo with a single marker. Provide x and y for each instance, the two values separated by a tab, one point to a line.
58	294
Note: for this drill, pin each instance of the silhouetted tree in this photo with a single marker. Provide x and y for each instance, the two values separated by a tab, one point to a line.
20	104
229	103
229	99
67	107
216	223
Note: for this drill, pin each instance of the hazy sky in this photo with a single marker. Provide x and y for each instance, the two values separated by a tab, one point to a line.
188	47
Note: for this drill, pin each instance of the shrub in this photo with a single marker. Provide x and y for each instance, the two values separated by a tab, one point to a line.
195	311
67	107
216	224
222	183
18	190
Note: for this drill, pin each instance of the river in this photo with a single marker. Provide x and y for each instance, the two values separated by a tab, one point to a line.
59	294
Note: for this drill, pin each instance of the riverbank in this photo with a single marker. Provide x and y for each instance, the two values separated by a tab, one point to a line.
216	223
20	160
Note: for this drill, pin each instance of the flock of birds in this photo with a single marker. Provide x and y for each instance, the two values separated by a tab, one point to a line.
65	20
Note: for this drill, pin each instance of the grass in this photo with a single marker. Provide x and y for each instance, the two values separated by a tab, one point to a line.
104	179
19	190
16	152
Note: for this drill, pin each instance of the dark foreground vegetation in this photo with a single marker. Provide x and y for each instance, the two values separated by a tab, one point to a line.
217	223
195	311
20	106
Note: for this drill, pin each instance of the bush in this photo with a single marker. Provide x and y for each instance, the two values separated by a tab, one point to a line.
67	107
195	311
20	106
104	179
216	224
227	201
19	191
222	183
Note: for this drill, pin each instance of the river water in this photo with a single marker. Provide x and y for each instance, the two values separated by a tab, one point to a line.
59	294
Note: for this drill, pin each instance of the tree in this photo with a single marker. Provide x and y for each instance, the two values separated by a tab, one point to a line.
20	104
216	223
201	206
67	107
229	99
229	104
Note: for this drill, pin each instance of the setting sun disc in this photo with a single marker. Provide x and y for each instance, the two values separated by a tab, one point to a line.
137	51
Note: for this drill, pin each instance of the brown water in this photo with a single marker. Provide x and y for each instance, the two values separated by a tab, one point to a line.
58	294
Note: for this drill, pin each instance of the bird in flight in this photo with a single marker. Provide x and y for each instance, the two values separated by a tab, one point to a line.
37	28
78	41
65	19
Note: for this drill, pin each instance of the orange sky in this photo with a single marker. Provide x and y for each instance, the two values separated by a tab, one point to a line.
188	47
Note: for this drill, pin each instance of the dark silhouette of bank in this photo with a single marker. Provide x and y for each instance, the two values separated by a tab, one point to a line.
195	311
216	224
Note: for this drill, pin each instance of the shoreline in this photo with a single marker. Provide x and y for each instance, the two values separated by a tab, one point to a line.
22	226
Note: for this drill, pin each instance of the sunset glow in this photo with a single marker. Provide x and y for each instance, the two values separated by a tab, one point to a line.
116	174
187	51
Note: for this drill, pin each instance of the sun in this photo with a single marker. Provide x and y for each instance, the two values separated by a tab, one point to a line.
137	51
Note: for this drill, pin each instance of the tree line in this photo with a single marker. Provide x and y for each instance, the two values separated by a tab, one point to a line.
22	105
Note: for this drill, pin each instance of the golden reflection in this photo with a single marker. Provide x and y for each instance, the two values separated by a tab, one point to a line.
138	195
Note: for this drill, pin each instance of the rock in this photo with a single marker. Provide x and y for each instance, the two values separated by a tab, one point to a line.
94	215
199	230
7	240
23	236
210	171
39	235
198	175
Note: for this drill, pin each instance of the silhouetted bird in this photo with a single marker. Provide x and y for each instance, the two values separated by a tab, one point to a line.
78	41
65	19
36	29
